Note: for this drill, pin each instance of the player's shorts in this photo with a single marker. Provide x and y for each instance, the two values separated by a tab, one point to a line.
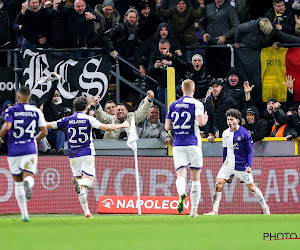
18	164
226	171
187	156
83	165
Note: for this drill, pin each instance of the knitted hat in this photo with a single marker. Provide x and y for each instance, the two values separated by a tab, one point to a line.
217	82
108	3
197	56
272	100
142	5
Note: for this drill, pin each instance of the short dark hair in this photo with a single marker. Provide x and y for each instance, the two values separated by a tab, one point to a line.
163	41
80	103
235	113
154	106
24	91
109	101
278	1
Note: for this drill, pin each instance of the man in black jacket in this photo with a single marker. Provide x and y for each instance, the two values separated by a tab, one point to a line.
258	128
217	104
33	19
157	68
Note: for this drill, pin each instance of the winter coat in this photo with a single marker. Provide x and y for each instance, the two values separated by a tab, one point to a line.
148	25
250	35
287	20
220	21
34	25
182	24
168	4
259	129
81	31
147	47
106	118
292	120
216	109
146	129
4	26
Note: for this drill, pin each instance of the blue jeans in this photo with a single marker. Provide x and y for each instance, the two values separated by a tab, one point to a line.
56	139
27	45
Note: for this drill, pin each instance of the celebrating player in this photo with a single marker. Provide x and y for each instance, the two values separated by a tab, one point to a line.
184	117
237	160
81	148
21	124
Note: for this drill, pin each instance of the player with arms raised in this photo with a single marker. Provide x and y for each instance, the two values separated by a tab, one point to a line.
81	148
237	160
184	117
21	124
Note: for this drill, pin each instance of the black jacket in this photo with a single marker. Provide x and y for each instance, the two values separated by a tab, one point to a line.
216	109
160	74
119	39
292	120
34	25
259	129
202	79
81	31
147	47
148	25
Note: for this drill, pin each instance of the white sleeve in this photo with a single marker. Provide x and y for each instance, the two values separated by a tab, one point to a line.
94	122
224	140
199	108
41	122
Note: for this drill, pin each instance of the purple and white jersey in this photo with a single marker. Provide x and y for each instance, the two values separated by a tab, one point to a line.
183	114
79	132
237	149
25	120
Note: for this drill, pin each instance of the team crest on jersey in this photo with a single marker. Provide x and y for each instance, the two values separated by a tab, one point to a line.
239	138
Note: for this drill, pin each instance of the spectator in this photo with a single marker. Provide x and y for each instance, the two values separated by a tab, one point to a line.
280	129
122	40
168	4
80	25
146	49
121	115
197	72
53	111
109	17
58	30
260	33
34	20
5	27
151	127
148	22
268	113
218	27
217	104
181	20
110	107
258	128
157	68
282	17
239	89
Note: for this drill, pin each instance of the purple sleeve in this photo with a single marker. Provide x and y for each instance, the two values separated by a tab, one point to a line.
249	145
224	153
8	117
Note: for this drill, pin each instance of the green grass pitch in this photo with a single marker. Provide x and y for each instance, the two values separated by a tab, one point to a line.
148	232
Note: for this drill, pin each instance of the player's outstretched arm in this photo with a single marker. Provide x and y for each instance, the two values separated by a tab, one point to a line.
111	127
43	132
168	125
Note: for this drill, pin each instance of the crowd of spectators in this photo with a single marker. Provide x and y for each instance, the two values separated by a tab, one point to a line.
152	34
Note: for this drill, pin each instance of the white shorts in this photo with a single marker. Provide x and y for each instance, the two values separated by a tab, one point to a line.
18	164
187	156
83	165
226	171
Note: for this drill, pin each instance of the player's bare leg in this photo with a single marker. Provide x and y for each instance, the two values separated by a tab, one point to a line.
217	197
195	192
181	186
80	184
20	197
259	196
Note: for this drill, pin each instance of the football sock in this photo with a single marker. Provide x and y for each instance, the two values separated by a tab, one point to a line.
86	182
195	195
21	199
180	185
259	196
30	180
216	200
83	201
